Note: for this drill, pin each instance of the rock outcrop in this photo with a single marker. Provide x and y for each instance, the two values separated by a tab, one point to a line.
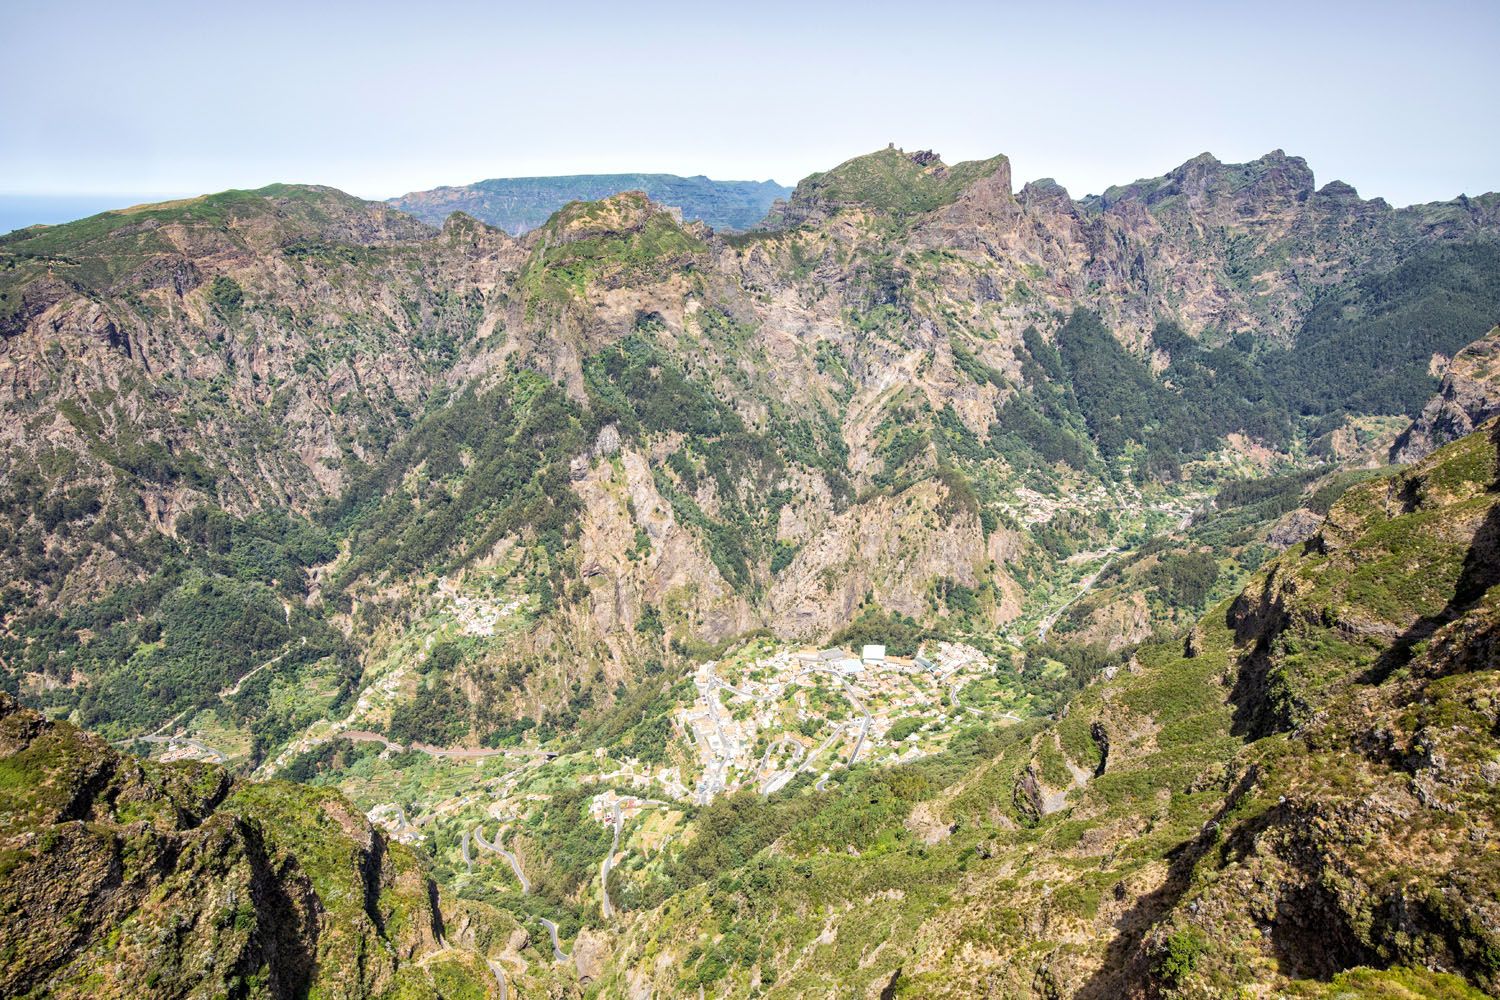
1469	395
121	875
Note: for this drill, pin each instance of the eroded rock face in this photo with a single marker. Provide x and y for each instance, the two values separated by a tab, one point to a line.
1469	395
1293	528
122	872
304	333
888	546
268	351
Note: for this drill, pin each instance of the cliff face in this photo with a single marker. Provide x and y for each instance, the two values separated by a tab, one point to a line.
843	409
1469	395
241	349
1302	799
122	875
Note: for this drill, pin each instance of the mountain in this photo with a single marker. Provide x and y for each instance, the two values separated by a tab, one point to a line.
480	530
520	204
1301	797
1468	396
122	874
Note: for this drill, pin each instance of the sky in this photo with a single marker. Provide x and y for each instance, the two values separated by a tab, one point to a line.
129	100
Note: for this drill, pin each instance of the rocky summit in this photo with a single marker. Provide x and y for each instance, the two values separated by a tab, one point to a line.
900	585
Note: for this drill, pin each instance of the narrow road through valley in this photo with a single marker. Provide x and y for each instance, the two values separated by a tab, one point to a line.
558	955
230	692
217	756
1086	585
499	977
495	847
605	908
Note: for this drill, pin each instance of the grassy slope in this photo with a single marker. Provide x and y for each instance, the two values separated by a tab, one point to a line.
891	182
1267	805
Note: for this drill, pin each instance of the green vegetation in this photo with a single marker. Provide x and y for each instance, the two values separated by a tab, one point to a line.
1203	395
493	463
227	296
1185	579
599	251
1179	956
1365	349
219	607
900	634
894	183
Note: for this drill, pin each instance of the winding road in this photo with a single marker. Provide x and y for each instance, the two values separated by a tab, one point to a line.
495	847
230	692
864	723
606	909
558	955
499	977
447	753
778	780
1087	584
217	756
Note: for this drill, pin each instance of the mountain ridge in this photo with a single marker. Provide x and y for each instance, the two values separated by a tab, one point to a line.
520	204
462	525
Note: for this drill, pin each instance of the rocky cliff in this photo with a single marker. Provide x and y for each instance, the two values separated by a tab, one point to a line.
293	399
1468	396
121	876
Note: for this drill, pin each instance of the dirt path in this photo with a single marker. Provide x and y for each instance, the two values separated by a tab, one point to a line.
230	692
1087	584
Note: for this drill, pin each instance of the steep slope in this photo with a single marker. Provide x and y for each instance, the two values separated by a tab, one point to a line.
1469	395
1301	798
239	348
919	394
1303	795
521	204
186	384
459	523
121	875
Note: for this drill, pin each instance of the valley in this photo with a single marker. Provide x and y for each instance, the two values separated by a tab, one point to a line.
931	587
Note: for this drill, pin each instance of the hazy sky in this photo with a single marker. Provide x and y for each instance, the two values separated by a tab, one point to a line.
378	99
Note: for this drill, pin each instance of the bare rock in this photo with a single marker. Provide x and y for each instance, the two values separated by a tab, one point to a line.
1293	528
1468	396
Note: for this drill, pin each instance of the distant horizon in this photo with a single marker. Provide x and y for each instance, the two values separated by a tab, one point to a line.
54	206
382	100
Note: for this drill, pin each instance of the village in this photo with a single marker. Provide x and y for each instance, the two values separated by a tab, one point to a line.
759	721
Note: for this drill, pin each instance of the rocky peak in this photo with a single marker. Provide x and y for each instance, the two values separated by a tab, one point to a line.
1338	191
1468	396
618	215
1044	192
1205	182
892	183
462	224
